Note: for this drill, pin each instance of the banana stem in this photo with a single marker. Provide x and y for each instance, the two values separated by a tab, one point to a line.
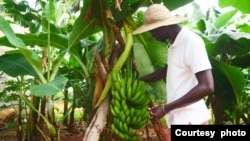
129	67
51	128
120	62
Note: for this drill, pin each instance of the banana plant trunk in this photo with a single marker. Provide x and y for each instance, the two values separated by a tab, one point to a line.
159	129
98	123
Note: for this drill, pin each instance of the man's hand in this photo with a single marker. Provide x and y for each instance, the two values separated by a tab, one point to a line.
157	111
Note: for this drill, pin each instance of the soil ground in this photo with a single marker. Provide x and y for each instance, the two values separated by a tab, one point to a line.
9	134
8	128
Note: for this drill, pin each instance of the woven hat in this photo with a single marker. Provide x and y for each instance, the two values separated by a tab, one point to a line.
157	15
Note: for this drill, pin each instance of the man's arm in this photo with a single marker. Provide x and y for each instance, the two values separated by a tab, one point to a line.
204	88
161	73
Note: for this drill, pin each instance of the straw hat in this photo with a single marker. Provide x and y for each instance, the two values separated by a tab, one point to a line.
157	15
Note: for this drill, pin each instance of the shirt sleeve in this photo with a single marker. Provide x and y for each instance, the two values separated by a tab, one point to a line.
197	55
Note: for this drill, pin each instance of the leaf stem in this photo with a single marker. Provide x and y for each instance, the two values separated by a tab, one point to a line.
120	62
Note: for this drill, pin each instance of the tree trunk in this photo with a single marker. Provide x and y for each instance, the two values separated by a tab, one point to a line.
98	122
159	129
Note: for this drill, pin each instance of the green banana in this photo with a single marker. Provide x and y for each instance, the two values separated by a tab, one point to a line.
133	120
129	91
112	103
132	111
117	111
116	85
113	92
119	76
145	104
124	74
122	93
117	131
138	87
123	83
138	119
135	75
134	86
145	115
128	120
112	110
122	135
142	102
116	95
135	138
141	124
129	105
125	127
143	86
144	111
137	112
113	128
116	121
127	113
116	103
120	125
129	82
141	99
122	117
136	96
124	105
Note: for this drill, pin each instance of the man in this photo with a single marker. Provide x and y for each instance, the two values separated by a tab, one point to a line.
188	70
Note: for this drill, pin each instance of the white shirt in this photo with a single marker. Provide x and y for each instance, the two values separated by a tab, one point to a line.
186	56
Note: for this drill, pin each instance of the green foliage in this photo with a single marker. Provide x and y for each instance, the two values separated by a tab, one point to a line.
172	5
242	5
119	15
59	41
51	88
225	18
14	64
50	41
230	78
68	39
82	28
9	33
227	48
11	124
145	66
228	42
9	93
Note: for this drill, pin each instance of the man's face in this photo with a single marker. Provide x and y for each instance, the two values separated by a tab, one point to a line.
160	33
156	34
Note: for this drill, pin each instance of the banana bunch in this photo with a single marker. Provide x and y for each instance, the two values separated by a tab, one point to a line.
129	105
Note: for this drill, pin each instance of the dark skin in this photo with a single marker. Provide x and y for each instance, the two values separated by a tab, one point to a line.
204	87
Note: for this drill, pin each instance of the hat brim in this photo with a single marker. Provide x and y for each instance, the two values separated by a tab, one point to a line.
151	26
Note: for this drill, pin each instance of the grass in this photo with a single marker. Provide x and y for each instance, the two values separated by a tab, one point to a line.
78	115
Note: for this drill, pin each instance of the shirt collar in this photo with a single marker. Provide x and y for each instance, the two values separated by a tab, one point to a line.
175	43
